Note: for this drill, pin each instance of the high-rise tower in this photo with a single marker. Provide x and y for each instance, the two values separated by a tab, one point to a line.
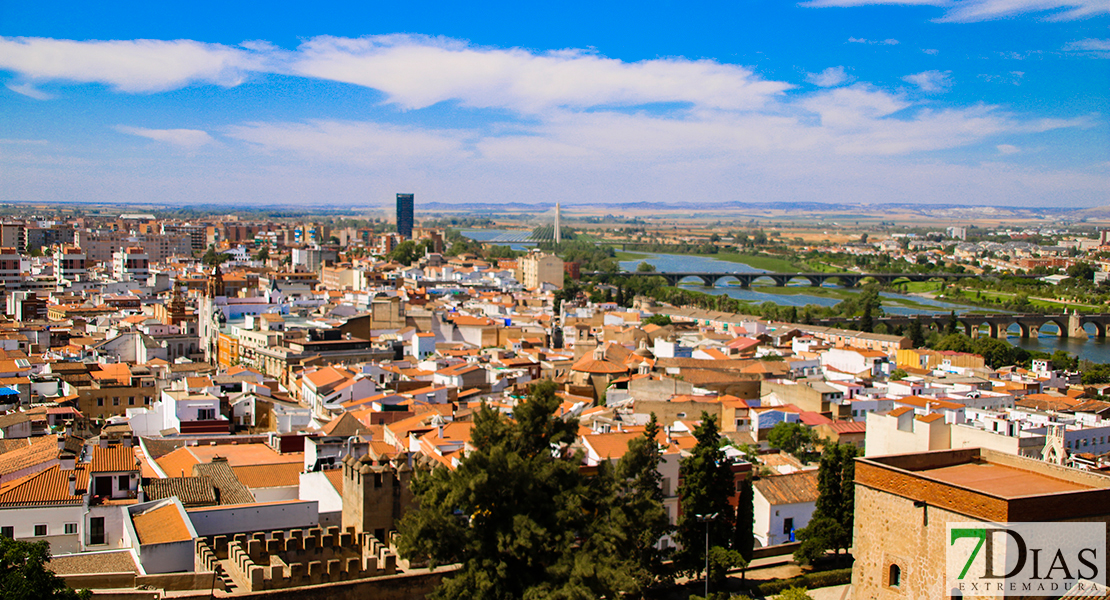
404	215
558	228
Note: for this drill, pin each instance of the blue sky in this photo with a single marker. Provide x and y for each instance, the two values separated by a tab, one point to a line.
1003	102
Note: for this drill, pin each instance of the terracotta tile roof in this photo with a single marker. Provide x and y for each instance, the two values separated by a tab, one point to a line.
119	561
45	488
40	450
335	477
192	491
267	476
794	488
229	490
587	364
113	459
344	426
161	525
13	444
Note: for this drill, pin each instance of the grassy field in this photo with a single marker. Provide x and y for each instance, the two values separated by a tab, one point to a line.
757	261
990	295
842	294
631	255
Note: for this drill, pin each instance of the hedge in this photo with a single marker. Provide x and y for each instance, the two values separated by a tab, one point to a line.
809	580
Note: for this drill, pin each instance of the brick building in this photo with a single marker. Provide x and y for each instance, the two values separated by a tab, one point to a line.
904	503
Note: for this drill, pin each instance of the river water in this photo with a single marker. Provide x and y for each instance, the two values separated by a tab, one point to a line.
796	294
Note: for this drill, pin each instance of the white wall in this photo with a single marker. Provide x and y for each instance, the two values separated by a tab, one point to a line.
769	519
23	521
244	518
317	488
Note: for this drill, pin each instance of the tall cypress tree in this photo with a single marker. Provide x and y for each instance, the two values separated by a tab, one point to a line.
707	485
744	540
642	504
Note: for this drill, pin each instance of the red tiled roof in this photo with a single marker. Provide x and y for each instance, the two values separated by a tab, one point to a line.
161	525
45	488
112	459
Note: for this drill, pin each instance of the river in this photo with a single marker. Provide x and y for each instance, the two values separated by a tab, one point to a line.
801	293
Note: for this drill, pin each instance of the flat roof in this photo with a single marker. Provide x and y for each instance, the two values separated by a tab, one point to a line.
1003	481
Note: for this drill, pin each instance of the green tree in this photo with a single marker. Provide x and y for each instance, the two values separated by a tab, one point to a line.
24	576
916	333
795	593
518	515
707	485
793	438
406	252
641	502
263	254
744	539
830	527
898	374
645	267
660	320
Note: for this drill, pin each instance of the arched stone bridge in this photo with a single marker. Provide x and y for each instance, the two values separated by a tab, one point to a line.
782	279
1068	324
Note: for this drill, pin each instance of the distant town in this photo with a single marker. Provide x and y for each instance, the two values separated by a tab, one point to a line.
476	403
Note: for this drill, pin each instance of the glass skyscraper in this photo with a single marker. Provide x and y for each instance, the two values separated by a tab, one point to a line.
404	215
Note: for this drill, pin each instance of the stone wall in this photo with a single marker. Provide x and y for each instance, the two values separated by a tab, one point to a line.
298	557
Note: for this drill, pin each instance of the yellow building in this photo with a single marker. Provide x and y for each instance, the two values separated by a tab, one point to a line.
539	268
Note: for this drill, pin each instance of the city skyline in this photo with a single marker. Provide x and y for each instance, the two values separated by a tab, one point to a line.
844	101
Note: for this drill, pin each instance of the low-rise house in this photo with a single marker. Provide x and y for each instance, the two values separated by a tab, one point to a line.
783	504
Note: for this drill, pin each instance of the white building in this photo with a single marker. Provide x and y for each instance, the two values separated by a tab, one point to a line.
783	504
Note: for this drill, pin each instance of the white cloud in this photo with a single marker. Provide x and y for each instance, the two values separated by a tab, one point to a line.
886	42
354	142
1091	46
968	11
931	51
830	77
930	82
416	72
1008	149
190	139
138	66
30	91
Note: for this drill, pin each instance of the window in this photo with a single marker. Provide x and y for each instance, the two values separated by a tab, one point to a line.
115	401
787	526
131	400
100	401
71	528
894	576
7	531
206	414
40	530
96	531
121	483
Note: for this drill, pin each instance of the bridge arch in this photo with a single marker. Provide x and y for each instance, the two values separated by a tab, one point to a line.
808	279
1061	327
764	279
680	279
725	280
1093	328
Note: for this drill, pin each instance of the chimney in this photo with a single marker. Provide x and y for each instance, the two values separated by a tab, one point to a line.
72	484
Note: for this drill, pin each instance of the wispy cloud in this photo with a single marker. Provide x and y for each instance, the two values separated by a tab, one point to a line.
140	66
886	42
830	77
968	11
1008	149
1091	46
190	139
931	82
30	91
